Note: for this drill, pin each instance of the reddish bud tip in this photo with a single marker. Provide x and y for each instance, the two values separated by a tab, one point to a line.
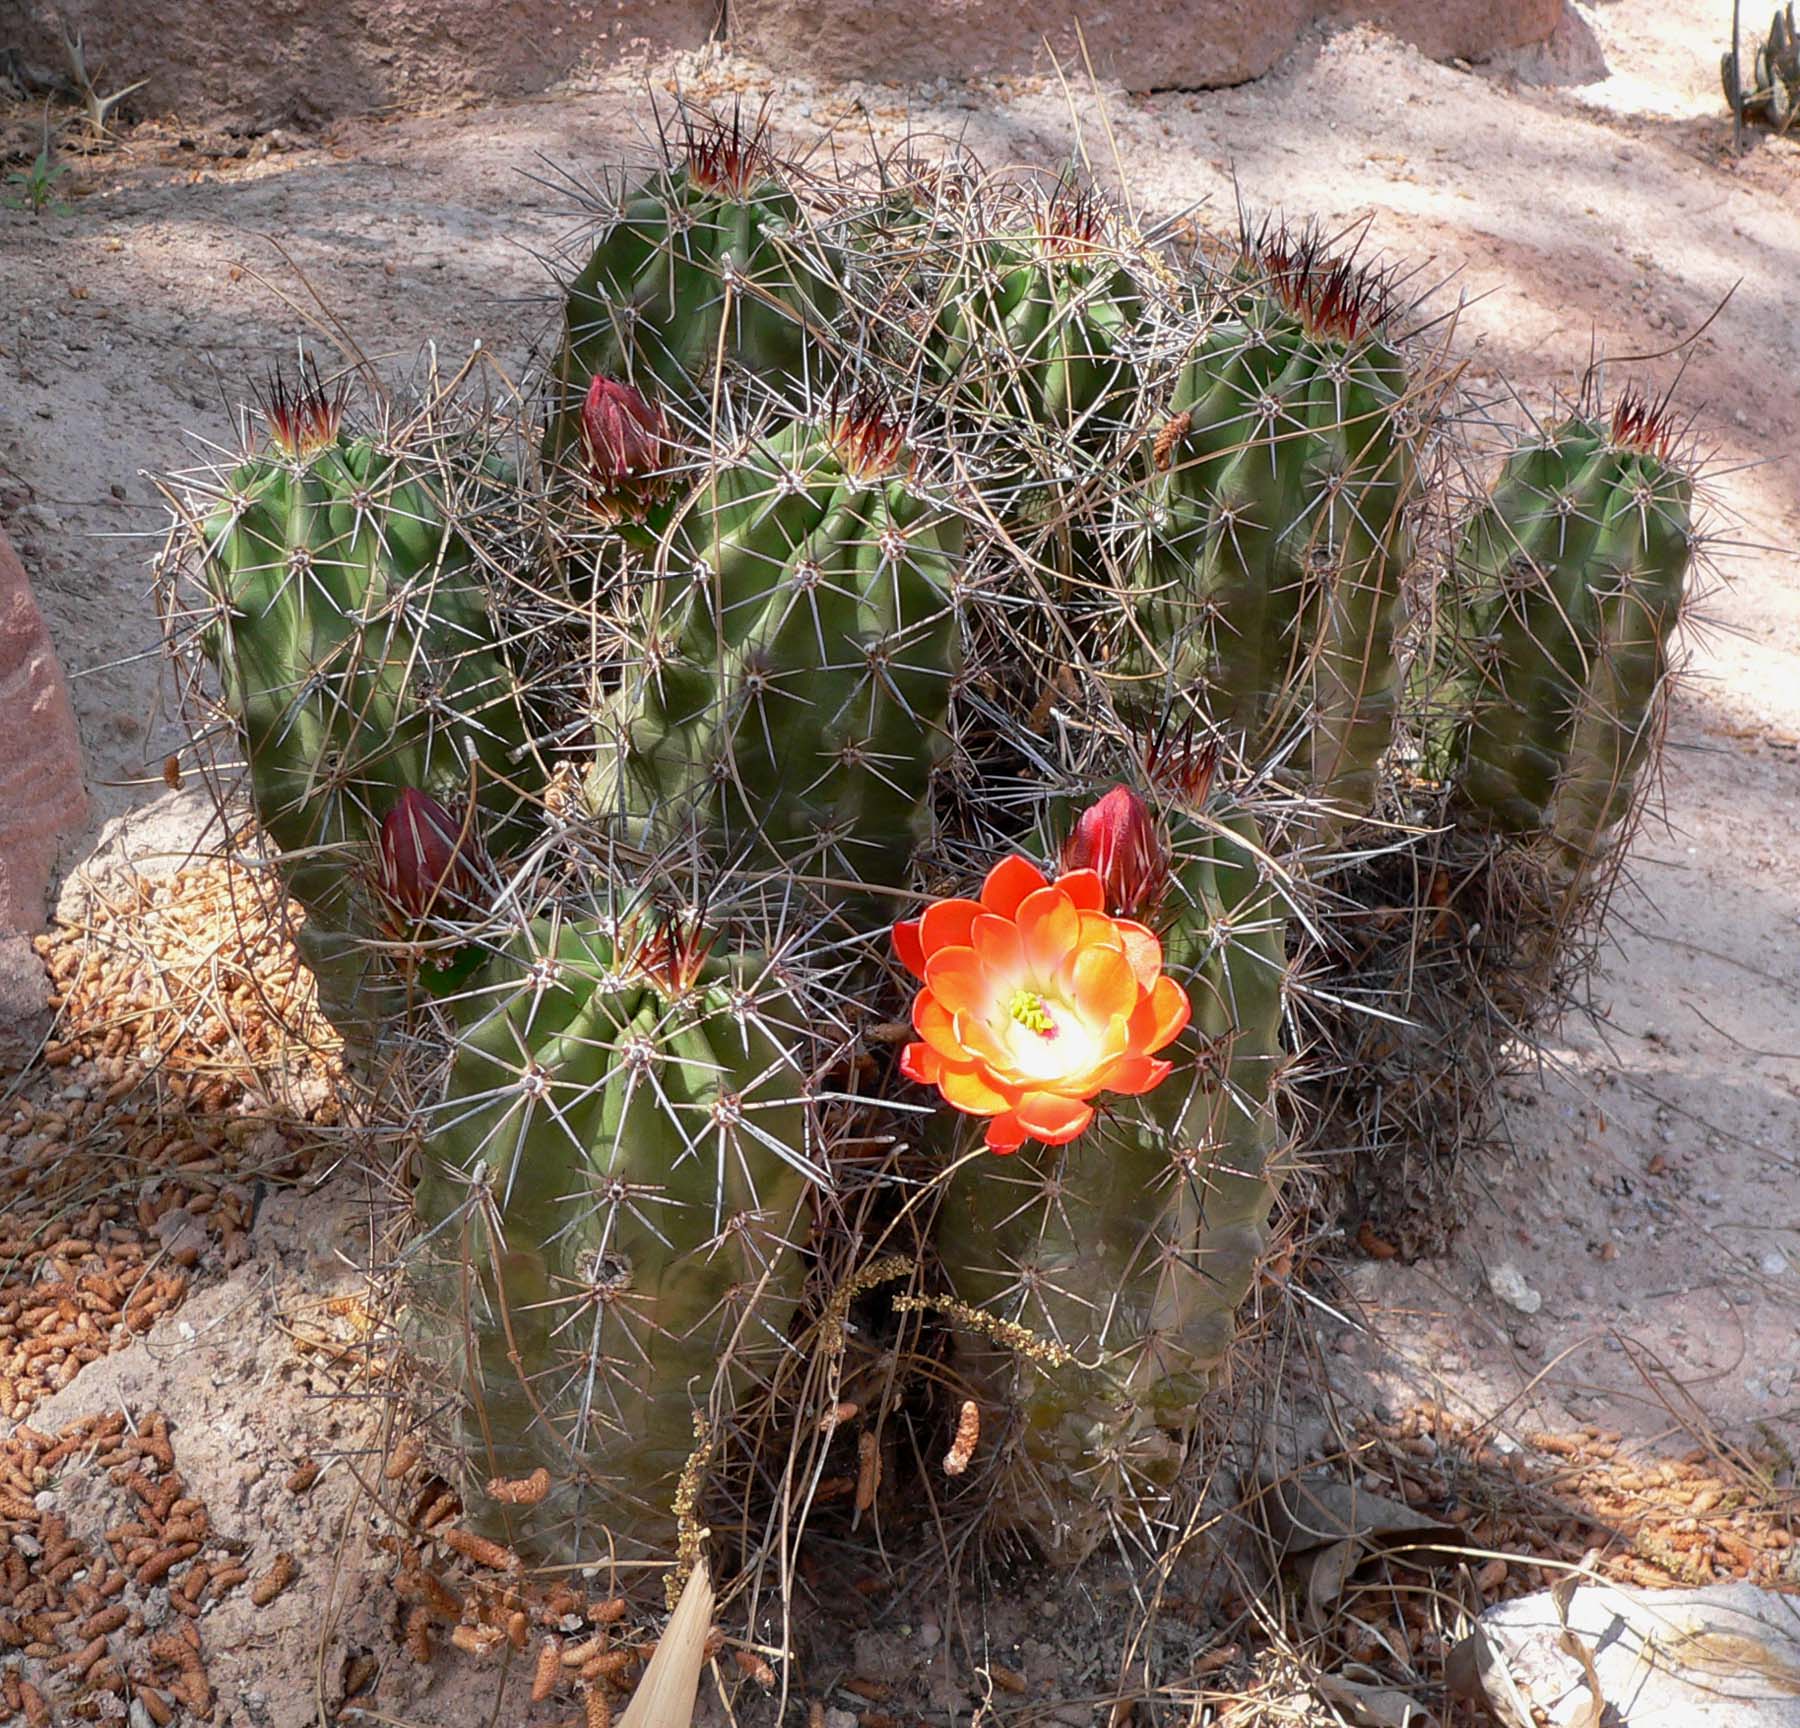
1119	841
624	433
426	862
726	157
1642	425
671	953
1333	294
866	433
302	412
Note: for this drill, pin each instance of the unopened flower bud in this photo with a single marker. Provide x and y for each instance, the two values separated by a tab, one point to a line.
1118	840
624	433
425	858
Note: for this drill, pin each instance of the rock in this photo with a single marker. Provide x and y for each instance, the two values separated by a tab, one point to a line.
1719	1657
323	60
24	1006
1177	44
42	798
1508	1283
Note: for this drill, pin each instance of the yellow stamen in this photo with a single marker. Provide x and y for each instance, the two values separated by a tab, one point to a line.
1027	1007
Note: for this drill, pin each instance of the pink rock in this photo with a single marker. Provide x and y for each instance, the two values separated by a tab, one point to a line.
42	799
277	62
1142	44
286	62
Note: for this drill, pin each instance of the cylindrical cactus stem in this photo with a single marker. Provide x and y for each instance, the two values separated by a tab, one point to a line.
710	259
1099	1279
613	1204
1036	330
351	629
793	657
1571	580
1263	556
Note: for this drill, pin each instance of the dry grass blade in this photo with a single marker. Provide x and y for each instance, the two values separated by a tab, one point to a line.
666	1694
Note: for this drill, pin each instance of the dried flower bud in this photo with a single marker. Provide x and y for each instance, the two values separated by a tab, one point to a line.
624	433
1117	839
425	858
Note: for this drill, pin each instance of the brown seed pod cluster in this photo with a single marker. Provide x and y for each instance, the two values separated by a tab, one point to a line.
172	1000
968	1437
455	1586
77	1625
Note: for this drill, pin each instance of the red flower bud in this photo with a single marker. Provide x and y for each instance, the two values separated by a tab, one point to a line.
1118	840
624	433
426	862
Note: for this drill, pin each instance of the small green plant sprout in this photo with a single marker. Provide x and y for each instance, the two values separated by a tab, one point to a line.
37	184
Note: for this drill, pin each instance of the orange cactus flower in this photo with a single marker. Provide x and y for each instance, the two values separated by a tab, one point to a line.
1034	1001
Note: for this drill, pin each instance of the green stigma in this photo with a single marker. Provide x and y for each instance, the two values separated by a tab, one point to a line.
1027	1007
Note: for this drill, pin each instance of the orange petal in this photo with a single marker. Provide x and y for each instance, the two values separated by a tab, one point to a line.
1051	928
906	945
946	925
1144	950
1105	985
977	1040
997	946
1137	1074
970	1092
1054	1120
1084	888
921	1063
933	1022
1159	1016
1004	1134
956	978
1008	883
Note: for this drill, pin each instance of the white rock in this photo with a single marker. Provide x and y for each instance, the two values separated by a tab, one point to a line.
1508	1283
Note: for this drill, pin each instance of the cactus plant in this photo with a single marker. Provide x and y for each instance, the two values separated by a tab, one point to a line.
1098	1279
710	259
350	627
1035	325
789	663
1263	554
1571	580
613	1204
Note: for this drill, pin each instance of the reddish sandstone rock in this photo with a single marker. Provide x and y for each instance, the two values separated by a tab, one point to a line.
311	60
42	799
1142	44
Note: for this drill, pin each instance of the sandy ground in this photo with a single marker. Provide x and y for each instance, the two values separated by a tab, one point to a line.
1585	199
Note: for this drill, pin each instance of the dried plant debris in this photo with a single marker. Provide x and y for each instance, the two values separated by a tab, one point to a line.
133	1158
110	1567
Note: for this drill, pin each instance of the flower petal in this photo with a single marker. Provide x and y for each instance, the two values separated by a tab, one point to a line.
1105	985
997	947
921	1063
957	979
1159	1016
908	948
969	1091
1049	1117
1051	928
978	1041
946	925
1004	1134
1084	888
1008	883
934	1023
1137	1074
1144	950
